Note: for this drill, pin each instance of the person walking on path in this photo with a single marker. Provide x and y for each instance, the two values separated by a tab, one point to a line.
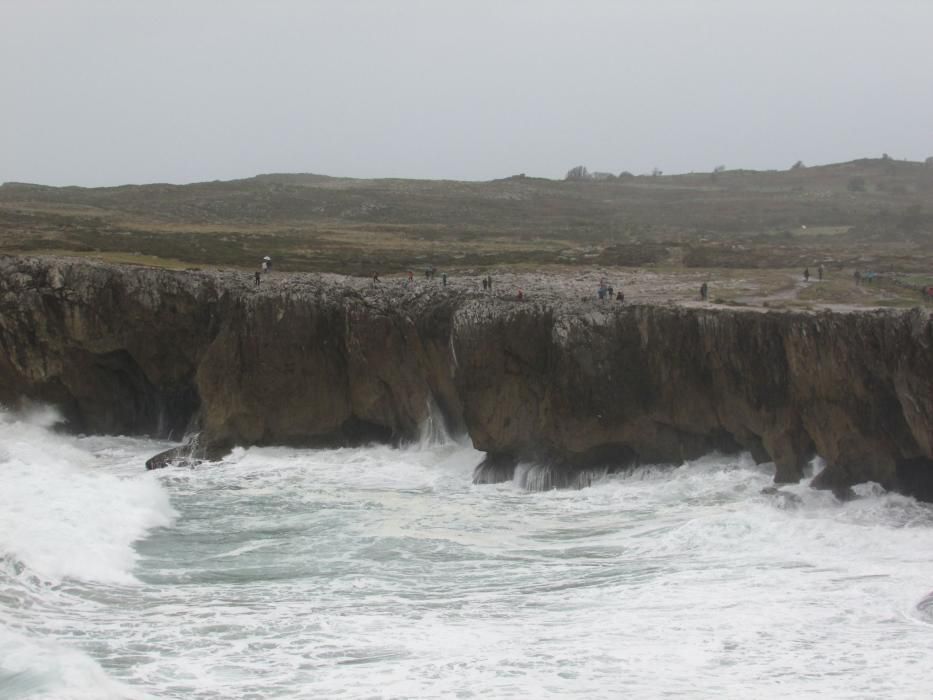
858	278
806	274
819	272
444	279
704	291
258	278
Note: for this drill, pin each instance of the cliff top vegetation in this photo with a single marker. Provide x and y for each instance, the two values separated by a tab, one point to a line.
868	214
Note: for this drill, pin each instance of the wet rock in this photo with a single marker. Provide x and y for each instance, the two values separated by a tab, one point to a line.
494	469
172	456
783	499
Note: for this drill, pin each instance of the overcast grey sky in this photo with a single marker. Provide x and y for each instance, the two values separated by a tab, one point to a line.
107	92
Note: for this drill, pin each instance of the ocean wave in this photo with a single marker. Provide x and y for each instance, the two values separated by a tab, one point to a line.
60	514
47	670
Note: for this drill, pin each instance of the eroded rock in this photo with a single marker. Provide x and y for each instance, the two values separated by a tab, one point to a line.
318	359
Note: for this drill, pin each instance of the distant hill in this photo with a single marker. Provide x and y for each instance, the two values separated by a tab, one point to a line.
307	214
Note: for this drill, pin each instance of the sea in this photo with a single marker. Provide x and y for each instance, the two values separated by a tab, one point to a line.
384	572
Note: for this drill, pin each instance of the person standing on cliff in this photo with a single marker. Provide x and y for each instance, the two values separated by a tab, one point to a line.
258	278
704	291
375	278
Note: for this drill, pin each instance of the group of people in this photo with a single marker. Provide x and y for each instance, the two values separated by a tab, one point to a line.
866	277
819	271
605	289
265	267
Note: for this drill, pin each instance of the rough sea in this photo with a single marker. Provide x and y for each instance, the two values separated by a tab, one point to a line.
385	573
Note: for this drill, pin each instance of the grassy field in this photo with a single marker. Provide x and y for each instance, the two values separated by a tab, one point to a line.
732	220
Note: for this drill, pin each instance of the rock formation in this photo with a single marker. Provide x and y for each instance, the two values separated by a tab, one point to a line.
314	360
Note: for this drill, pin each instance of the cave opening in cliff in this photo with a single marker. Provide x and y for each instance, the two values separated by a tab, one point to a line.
915	478
112	394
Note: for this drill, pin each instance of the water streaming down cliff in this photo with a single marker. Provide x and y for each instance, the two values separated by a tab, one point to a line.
562	385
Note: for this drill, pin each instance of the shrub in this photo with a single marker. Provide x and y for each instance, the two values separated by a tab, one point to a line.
578	173
856	184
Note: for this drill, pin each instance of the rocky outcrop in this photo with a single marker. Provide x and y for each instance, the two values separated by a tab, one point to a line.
310	359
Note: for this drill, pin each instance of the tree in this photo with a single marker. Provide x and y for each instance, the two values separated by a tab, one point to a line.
657	172
578	173
798	165
719	169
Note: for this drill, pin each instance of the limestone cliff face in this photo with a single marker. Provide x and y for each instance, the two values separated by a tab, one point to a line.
307	359
666	383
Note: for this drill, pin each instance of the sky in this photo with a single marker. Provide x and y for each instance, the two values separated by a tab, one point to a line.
106	92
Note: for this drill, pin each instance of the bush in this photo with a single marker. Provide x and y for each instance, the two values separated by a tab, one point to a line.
856	184
578	173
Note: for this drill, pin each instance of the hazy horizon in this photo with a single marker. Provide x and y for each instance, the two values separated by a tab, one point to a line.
109	93
556	178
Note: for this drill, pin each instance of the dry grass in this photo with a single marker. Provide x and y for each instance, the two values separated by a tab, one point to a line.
740	230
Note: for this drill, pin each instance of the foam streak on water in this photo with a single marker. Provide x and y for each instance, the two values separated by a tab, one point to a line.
377	572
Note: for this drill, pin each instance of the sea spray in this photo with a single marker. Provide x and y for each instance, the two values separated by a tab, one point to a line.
433	430
381	571
60	515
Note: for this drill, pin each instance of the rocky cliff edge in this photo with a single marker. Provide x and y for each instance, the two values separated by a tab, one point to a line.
321	359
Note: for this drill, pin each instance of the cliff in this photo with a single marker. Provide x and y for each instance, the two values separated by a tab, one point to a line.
311	359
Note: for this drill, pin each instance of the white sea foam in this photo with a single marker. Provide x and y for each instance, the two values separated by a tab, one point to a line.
62	513
47	670
380	572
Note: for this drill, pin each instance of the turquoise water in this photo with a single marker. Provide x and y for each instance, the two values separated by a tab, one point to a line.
380	572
